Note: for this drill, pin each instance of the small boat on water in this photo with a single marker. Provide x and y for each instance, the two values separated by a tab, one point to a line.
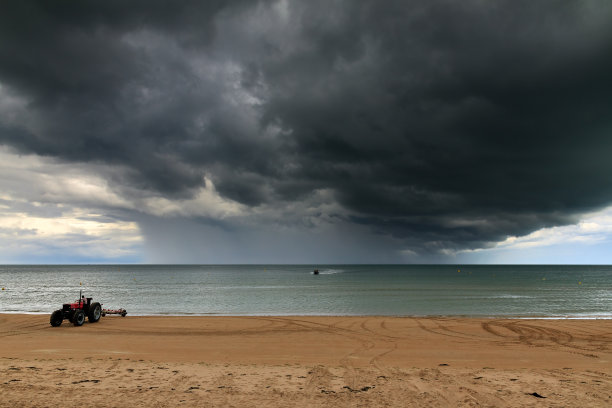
315	272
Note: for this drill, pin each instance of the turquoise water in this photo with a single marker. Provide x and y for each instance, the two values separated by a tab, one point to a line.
396	290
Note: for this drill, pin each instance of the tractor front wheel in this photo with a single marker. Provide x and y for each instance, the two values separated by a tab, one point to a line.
78	318
95	311
56	318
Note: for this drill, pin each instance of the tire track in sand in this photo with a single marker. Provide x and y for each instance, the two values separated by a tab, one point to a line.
366	340
25	324
537	335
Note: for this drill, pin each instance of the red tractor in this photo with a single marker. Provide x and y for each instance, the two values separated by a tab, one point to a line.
76	312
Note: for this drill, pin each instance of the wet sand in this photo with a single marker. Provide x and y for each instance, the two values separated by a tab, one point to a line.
304	361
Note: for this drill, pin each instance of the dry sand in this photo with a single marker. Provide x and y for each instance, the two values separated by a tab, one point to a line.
305	361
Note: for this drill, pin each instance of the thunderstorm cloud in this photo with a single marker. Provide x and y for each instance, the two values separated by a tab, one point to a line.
350	130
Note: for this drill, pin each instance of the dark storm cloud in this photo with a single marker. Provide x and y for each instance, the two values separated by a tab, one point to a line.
444	124
87	85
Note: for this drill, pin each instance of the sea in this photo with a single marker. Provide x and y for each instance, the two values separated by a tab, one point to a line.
521	291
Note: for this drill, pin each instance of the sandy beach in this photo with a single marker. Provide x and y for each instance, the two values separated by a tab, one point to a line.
304	361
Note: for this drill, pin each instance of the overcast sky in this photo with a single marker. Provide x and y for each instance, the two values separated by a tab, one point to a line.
306	131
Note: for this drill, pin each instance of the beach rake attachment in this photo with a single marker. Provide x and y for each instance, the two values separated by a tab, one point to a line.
121	312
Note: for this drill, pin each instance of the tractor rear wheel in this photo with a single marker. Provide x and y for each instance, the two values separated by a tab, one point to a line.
95	311
56	318
78	318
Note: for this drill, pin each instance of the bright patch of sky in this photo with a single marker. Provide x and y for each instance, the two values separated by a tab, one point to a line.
54	213
586	242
